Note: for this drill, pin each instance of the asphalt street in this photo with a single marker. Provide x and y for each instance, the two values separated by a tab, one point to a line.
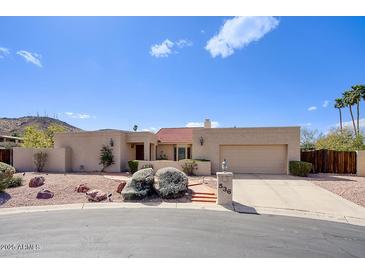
182	233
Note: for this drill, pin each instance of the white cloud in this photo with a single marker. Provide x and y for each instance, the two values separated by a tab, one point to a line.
350	125
167	47
151	129
162	50
312	108
306	124
201	124
182	43
239	32
3	52
79	115
33	58
326	103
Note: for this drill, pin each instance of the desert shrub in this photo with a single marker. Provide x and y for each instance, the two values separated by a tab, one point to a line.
40	160
147	166
299	168
6	173
139	186
106	157
14	182
133	166
144	175
162	157
3	185
189	167
171	183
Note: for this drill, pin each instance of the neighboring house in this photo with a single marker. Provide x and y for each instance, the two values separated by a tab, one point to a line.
6	141
247	150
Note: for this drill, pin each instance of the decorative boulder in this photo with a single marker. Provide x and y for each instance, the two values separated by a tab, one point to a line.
96	195
45	194
37	181
140	186
121	186
171	183
82	188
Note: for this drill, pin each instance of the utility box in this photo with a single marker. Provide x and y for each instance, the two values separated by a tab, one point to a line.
224	188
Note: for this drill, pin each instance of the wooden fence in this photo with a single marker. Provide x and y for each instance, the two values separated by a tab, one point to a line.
6	156
330	161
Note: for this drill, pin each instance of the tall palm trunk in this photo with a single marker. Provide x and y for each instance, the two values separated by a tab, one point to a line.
353	120
358	117
340	119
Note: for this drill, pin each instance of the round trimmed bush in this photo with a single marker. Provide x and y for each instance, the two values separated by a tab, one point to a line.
140	186
15	182
133	166
299	168
171	183
6	173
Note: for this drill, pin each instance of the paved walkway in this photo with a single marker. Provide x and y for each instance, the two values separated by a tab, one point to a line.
288	195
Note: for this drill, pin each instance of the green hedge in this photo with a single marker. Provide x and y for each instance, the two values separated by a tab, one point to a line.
133	166
298	168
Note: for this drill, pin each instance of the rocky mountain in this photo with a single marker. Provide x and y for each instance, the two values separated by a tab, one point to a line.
10	126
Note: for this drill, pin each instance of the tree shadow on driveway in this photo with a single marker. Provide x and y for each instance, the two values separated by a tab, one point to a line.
4	197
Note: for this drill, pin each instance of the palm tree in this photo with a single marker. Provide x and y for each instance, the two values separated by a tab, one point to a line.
357	95
349	101
362	90
339	104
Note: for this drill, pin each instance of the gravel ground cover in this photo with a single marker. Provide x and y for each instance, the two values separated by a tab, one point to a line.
349	187
63	186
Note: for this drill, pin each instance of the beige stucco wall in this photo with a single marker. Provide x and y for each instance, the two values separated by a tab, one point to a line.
145	138
166	149
58	159
215	137
204	168
361	163
85	149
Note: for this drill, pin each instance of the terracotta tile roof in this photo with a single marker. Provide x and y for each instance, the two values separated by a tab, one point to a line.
175	135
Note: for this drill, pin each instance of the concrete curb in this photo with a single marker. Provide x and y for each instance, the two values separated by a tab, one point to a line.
198	206
89	206
305	214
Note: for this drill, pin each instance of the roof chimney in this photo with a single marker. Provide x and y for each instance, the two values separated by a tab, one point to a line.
207	123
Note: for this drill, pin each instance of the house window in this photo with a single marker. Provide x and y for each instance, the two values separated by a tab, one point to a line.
182	153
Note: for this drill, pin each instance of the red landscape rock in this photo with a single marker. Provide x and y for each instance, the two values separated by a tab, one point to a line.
82	188
37	181
96	195
45	194
121	186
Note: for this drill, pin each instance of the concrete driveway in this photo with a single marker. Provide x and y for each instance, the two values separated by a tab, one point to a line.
293	196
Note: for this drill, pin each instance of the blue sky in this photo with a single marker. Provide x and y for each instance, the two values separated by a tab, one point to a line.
114	72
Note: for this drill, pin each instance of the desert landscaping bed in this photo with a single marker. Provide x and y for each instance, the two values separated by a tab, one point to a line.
349	187
63	186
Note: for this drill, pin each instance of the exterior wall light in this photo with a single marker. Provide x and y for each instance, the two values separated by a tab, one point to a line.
201	140
111	142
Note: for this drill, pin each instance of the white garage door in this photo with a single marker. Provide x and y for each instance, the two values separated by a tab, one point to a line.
269	159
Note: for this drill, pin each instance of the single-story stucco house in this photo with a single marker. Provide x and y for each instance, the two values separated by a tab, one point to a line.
247	150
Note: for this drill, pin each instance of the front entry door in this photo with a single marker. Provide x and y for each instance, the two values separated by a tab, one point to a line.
140	152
